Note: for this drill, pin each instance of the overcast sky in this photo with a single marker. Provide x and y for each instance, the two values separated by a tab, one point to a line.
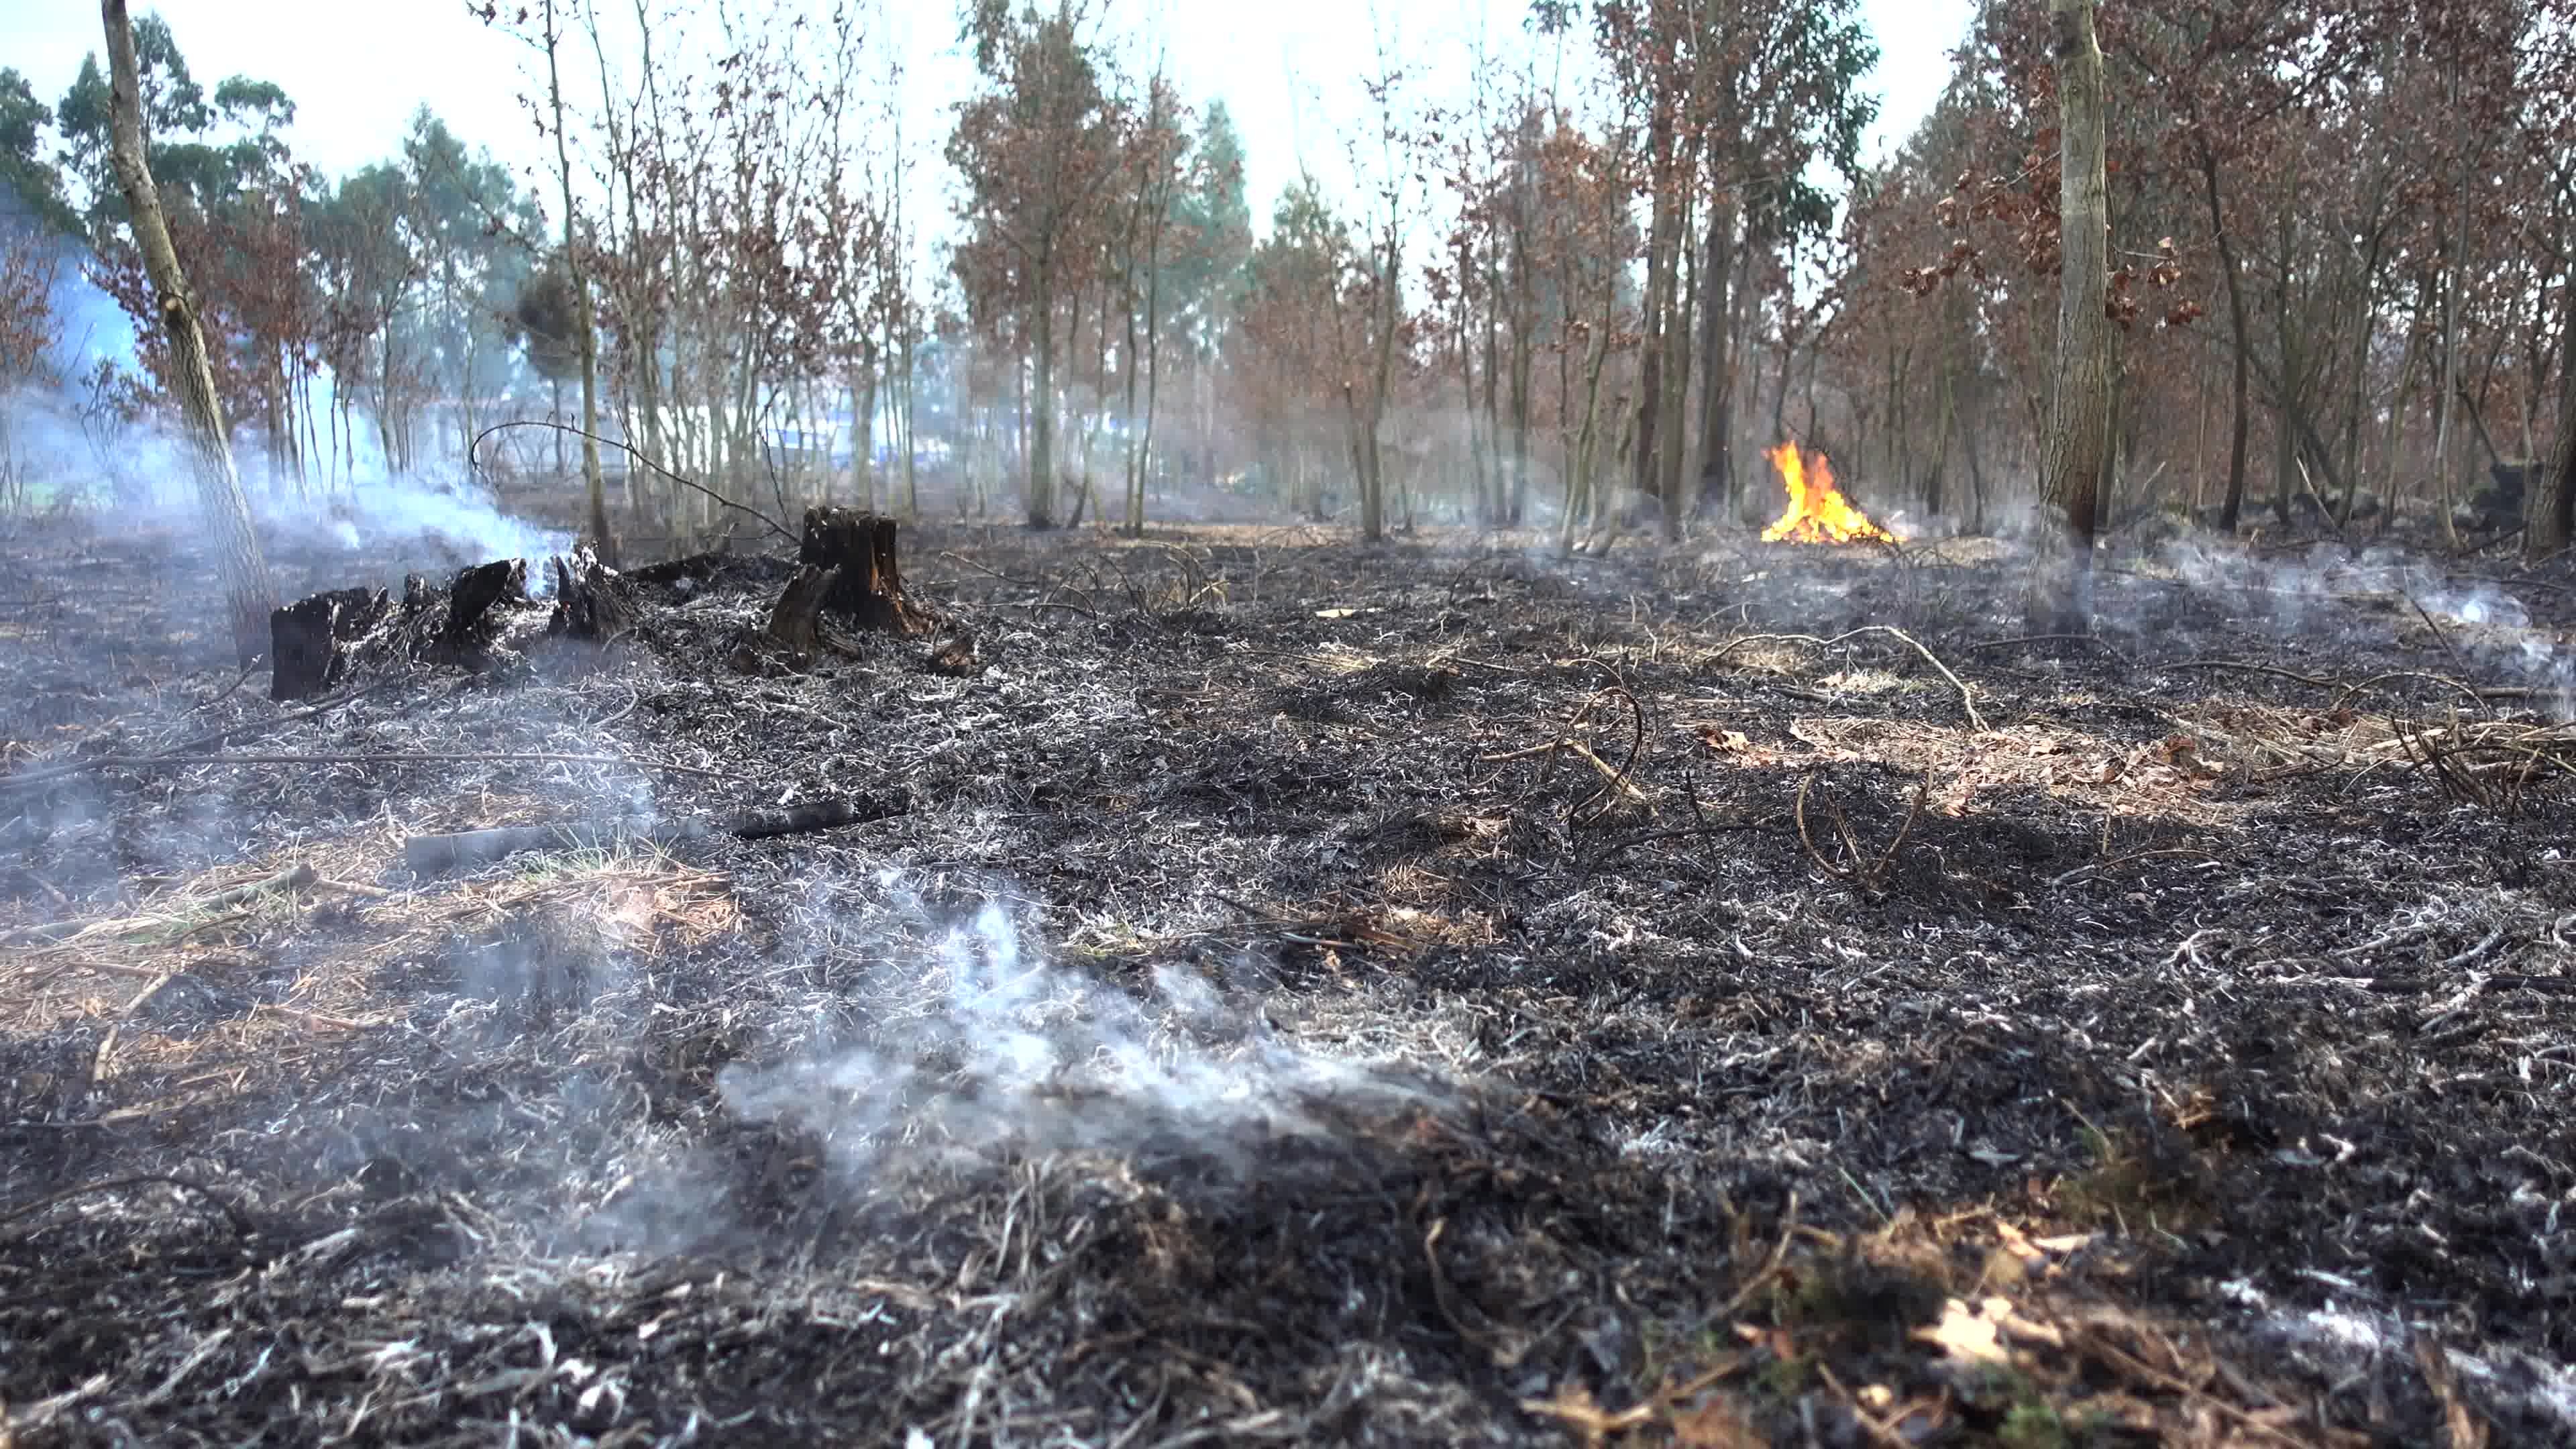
1287	71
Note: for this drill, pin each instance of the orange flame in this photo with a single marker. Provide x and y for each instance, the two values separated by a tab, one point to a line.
1818	512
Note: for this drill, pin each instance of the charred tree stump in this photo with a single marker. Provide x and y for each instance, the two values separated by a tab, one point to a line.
796	621
309	639
469	624
860	548
592	600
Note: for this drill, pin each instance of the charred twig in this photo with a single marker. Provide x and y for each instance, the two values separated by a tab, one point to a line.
56	932
241	1220
1863	871
2017	640
1713	827
2439	636
2462	782
631	451
145	762
2091	866
1089	608
31	778
426	853
1583	813
1966	696
1616	777
2475	696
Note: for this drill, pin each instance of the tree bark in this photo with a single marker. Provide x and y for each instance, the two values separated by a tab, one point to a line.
2079	431
1717	367
2549	501
1041	484
2240	384
249	593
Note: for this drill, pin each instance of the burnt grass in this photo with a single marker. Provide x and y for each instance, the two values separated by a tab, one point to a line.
1317	994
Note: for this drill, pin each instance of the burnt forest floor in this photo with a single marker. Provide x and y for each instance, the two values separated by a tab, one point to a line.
1422	994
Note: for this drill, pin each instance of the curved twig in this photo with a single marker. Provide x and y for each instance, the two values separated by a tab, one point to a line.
1966	696
1863	872
631	451
1618	779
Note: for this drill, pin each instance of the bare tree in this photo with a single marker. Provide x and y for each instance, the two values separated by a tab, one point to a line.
248	591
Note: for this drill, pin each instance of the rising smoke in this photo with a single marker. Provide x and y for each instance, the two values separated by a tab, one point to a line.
66	446
984	1043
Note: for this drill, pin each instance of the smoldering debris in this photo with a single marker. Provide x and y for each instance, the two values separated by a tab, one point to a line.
988	1047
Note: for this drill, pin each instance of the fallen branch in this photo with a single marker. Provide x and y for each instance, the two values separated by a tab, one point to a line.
429	853
144	762
31	778
55	932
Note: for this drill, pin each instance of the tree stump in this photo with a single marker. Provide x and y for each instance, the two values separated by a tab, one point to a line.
868	587
470	601
796	621
309	639
592	600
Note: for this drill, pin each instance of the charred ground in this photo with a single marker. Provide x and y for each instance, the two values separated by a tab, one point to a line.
1475	999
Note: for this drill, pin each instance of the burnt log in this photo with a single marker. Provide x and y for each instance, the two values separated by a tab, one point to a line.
868	589
309	640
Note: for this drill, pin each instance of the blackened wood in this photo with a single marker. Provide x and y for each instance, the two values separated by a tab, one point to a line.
795	621
428	853
471	600
592	600
309	639
862	546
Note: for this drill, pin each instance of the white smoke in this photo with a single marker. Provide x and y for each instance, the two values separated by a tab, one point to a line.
2480	620
989	1045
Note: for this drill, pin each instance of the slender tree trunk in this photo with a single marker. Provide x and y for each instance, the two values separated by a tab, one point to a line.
1717	365
1040	498
2240	347
1681	283
594	486
2079	432
2550	501
249	594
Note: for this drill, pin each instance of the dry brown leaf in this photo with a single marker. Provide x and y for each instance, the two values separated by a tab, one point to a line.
1725	741
1714	1423
1964	1335
1574	1407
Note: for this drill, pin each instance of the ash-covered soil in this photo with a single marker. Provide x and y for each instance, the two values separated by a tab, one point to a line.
1424	994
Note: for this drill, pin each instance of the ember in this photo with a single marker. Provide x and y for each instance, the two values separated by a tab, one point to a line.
1818	512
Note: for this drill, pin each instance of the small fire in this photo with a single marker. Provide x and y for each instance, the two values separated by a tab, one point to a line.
1818	512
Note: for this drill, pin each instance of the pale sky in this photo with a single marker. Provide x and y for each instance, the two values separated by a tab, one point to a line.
1287	71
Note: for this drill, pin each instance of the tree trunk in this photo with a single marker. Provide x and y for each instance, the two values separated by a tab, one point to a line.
1717	367
2240	383
2549	501
2079	432
1681	287
1041	412
249	594
594	486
